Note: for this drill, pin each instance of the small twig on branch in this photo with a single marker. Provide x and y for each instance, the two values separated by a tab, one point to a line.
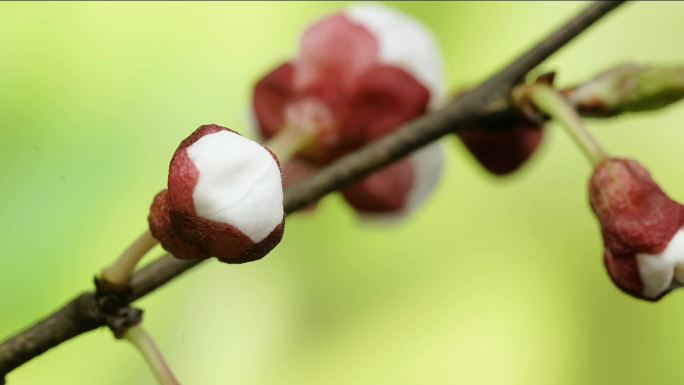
487	102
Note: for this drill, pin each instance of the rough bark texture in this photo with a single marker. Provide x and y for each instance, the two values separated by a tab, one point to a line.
487	102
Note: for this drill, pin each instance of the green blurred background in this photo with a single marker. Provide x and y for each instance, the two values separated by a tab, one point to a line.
495	281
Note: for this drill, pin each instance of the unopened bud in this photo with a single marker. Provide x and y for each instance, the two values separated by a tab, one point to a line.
641	228
502	149
224	199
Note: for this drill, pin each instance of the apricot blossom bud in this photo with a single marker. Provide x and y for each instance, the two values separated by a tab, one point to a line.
502	149
641	228
503	146
224	199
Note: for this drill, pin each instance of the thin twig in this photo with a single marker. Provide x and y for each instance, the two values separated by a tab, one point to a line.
486	102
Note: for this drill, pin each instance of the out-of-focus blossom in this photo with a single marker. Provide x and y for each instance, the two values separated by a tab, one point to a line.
359	75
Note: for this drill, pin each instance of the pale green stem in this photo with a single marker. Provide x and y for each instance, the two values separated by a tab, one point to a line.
119	273
558	108
146	346
287	142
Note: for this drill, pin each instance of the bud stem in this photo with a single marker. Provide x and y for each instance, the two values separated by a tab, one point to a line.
555	105
287	142
119	273
146	346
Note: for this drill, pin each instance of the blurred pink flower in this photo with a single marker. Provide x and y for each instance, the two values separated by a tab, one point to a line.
360	74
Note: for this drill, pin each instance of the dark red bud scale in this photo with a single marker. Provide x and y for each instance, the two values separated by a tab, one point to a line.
502	150
224	199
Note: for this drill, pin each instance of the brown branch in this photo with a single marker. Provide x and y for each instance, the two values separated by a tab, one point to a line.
488	101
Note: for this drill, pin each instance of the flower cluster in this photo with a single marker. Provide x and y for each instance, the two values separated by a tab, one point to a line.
359	75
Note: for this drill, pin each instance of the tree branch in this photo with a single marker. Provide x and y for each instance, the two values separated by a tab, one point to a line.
487	102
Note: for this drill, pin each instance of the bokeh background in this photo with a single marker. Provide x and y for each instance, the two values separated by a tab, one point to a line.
495	281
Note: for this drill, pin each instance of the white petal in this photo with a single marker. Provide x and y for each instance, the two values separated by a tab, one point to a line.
660	272
428	163
405	43
239	184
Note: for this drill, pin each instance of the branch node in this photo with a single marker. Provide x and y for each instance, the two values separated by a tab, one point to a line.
105	288
123	319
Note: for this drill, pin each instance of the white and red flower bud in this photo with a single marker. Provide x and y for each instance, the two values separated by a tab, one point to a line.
224	199
641	228
359	75
502	149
